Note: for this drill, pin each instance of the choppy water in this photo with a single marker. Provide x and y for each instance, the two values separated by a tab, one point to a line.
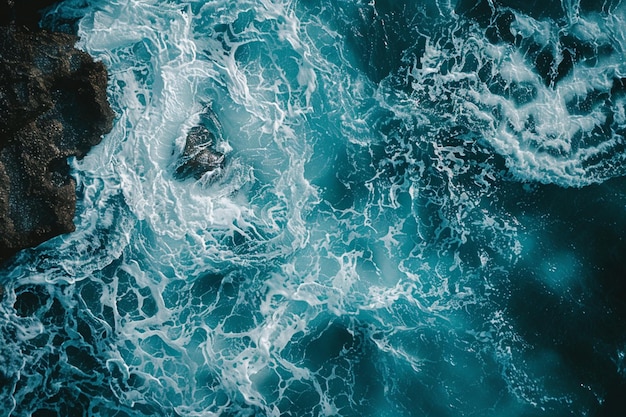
421	213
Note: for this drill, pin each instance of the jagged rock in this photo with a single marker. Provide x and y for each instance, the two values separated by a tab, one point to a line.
53	105
199	156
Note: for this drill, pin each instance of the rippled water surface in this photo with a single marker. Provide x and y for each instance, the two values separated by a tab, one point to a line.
421	212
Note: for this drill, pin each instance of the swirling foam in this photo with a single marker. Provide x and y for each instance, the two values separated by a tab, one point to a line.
346	261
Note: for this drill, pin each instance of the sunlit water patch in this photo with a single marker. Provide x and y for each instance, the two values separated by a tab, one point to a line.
398	227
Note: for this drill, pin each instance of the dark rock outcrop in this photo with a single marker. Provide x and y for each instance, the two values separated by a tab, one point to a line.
199	155
53	105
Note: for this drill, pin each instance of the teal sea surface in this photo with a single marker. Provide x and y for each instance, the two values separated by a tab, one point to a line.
421	212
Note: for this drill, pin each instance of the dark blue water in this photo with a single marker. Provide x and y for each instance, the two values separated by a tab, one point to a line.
422	212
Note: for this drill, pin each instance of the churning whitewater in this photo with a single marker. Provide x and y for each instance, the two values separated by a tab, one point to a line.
420	212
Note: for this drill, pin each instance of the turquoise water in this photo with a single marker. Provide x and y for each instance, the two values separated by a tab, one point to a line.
421	213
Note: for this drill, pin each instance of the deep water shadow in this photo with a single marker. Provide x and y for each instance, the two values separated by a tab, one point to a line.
567	295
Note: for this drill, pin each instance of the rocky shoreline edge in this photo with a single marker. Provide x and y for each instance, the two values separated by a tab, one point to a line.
53	105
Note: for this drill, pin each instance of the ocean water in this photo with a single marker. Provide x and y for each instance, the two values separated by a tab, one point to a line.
422	212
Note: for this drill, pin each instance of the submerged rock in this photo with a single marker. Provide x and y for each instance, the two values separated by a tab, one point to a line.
24	13
53	105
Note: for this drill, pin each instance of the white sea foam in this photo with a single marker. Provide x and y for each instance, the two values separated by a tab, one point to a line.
538	133
351	217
